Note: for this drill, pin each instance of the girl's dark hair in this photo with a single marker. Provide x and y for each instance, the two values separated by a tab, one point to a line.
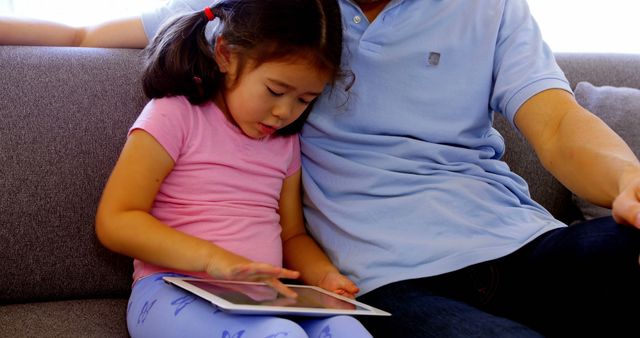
180	59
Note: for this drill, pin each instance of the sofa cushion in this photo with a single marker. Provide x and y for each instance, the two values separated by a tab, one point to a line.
618	107
79	318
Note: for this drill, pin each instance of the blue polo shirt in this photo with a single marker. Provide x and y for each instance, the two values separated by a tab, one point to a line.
153	19
402	175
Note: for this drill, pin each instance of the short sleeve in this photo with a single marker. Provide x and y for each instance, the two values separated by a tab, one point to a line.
166	120
524	65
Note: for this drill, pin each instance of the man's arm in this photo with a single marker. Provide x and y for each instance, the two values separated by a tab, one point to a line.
120	33
582	152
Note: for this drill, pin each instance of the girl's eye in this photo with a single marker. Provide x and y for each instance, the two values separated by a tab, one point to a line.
274	93
303	101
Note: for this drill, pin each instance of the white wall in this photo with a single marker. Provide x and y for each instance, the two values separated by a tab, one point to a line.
589	25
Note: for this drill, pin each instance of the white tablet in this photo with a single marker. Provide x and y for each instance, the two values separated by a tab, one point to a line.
260	298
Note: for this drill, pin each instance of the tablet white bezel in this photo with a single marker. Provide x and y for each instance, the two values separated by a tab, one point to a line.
223	304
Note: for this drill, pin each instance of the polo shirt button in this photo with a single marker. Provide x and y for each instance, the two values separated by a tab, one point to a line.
357	19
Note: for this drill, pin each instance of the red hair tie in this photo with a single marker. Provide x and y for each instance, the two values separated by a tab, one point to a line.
208	13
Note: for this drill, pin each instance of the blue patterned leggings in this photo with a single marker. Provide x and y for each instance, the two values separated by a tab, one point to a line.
158	309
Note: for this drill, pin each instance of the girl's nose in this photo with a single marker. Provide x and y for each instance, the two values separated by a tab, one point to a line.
282	111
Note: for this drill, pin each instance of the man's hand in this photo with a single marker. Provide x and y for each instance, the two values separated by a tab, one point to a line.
626	206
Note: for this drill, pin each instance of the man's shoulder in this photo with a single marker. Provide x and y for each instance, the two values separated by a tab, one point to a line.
192	5
154	18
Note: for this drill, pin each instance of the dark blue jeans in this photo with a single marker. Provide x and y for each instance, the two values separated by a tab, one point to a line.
579	281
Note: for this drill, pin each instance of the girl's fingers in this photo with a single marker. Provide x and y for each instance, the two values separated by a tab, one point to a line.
352	288
281	288
339	284
258	272
289	274
270	274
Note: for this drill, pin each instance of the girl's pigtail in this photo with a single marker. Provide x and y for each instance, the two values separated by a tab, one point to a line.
179	60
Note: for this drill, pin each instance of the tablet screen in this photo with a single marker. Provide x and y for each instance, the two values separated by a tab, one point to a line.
266	295
260	298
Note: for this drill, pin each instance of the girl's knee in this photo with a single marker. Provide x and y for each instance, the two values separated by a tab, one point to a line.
335	327
274	327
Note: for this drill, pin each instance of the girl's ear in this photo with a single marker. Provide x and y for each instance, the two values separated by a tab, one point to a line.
222	55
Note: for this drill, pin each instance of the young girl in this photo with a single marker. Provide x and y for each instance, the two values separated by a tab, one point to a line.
208	183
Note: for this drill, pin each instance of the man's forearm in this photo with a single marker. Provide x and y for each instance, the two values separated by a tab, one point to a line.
589	158
577	147
118	33
16	31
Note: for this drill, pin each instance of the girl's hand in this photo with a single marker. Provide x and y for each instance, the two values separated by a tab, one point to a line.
338	283
242	269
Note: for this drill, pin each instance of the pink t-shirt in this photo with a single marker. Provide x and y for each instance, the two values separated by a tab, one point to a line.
224	186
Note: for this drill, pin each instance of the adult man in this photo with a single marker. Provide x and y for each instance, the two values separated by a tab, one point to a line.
402	181
405	191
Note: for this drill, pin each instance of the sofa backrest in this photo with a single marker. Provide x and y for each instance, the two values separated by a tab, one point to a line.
64	113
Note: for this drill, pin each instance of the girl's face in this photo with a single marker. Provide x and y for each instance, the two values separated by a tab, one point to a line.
264	98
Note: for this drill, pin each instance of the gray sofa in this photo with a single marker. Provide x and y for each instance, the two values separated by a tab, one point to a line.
64	113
